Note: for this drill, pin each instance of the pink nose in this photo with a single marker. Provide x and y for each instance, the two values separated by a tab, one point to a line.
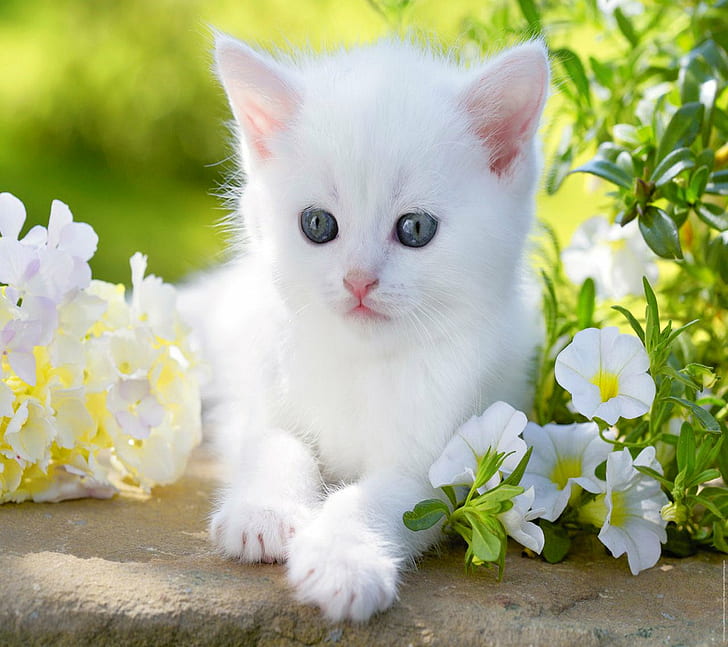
359	283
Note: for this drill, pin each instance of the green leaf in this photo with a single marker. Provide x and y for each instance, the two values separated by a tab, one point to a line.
632	322
718	183
702	477
531	14
717	257
556	541
676	333
514	478
585	304
686	450
672	165
425	514
559	169
705	418
575	70
652	316
712	215
660	233
485	544
682	129
626	27
697	184
449	491
606	170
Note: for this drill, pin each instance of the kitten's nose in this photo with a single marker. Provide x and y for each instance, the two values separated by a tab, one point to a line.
359	283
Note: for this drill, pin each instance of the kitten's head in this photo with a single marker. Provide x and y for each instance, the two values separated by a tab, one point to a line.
390	189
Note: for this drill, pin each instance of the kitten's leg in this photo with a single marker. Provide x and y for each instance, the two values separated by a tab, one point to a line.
273	490
348	559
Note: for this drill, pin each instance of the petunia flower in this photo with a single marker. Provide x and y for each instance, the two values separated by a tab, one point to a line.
628	510
518	521
606	373
564	458
497	428
615	257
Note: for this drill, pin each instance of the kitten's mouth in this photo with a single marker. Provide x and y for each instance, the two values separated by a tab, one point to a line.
366	313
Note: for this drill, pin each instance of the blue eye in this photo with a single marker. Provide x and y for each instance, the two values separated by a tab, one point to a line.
318	225
416	229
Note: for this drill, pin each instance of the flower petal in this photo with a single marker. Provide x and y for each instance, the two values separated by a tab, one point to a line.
12	216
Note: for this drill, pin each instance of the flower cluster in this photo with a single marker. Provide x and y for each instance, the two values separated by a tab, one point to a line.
92	388
518	471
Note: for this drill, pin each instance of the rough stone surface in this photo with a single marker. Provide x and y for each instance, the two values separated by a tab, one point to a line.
139	571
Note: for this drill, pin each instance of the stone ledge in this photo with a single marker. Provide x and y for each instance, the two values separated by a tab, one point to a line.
139	571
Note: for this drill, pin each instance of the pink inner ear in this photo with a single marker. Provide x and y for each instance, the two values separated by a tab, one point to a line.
259	125
262	93
505	104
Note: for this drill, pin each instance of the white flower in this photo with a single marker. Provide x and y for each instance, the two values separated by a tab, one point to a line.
134	407
615	257
7	397
46	263
606	374
517	521
629	510
30	433
19	260
153	301
89	384
497	428
564	456
23	328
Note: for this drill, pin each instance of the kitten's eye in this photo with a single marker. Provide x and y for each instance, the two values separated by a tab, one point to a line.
318	225
416	229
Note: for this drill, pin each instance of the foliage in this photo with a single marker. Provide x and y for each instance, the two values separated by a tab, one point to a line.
649	118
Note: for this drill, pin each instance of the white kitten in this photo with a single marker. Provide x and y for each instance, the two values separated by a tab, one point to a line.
379	299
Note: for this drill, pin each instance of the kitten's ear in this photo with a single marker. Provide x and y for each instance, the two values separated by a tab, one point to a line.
263	95
505	103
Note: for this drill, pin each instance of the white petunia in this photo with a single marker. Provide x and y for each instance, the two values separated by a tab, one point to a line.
628	511
564	457
498	428
518	521
606	373
615	257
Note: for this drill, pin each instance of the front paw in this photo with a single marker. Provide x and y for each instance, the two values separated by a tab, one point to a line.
348	577
256	532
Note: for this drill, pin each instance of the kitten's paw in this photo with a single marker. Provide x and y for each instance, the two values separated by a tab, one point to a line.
348	578
253	532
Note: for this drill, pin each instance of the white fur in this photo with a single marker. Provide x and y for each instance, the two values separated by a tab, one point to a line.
329	424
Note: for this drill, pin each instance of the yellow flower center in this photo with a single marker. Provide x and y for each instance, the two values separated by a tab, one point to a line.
566	468
619	509
608	384
618	245
595	512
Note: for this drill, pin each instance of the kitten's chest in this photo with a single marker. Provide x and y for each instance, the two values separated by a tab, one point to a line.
369	413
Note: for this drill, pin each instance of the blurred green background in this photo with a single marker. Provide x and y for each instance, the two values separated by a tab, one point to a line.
111	106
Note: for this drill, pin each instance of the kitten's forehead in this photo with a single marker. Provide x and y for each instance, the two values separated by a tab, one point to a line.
379	117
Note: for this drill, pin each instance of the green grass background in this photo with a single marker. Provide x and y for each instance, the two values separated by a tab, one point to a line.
111	106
